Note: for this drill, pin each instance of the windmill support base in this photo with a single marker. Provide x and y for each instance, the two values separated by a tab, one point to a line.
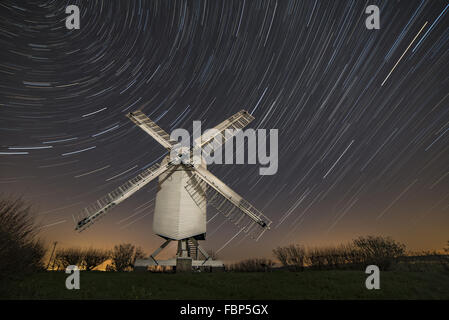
187	258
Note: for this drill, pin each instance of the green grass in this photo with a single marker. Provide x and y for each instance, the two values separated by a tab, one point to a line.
272	285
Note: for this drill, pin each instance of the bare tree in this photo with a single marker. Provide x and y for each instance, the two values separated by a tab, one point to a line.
94	257
292	256
364	250
296	256
20	250
109	268
281	253
122	257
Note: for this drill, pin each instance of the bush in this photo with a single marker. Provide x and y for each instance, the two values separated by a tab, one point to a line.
361	252
20	250
380	251
110	268
252	265
293	256
444	258
83	258
94	257
68	257
343	256
297	256
124	255
282	255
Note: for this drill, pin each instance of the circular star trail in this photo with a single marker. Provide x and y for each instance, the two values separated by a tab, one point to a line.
362	114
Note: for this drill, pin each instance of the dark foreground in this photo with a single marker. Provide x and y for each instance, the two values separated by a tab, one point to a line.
271	285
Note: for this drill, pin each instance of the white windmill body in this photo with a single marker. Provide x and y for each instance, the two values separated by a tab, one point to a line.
176	215
185	190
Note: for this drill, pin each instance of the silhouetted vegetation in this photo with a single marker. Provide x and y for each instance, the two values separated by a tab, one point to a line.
252	265
380	251
363	251
20	250
334	257
445	258
67	257
419	261
87	259
92	258
123	257
293	256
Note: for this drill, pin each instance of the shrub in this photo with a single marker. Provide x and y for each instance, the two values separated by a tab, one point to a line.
444	258
362	251
330	257
94	257
380	251
297	256
252	265
20	250
110	268
316	258
68	257
124	255
293	256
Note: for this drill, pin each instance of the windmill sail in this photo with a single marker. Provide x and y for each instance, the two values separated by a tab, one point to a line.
216	138
101	206
150	127
227	202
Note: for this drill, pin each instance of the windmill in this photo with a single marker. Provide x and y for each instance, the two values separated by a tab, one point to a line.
184	191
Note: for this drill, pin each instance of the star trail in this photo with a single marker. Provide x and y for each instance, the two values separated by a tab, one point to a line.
363	115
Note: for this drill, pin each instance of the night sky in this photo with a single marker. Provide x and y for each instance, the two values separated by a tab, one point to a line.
362	114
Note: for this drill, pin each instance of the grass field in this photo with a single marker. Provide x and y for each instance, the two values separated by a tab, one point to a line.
270	285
